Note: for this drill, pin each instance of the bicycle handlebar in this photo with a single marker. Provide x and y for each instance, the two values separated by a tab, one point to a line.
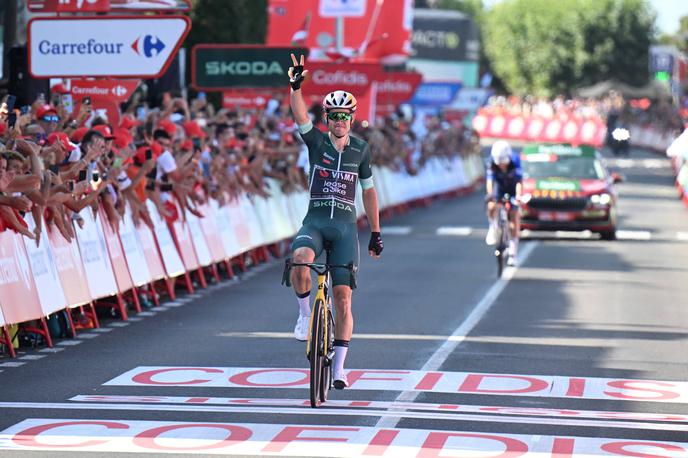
319	268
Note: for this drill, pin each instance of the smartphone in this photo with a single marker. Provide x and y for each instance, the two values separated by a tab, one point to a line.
25	109
70	185
68	103
86	100
83	174
149	154
141	113
95	177
196	143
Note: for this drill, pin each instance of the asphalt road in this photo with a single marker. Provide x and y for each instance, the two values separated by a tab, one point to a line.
580	351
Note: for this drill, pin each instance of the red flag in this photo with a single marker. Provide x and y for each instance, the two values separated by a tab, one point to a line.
300	36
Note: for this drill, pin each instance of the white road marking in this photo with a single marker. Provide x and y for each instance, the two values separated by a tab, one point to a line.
51	350
12	364
173	304
101	330
458	231
241	439
70	343
32	357
119	324
88	335
513	411
150	313
441	354
405	412
396	230
633	235
682	236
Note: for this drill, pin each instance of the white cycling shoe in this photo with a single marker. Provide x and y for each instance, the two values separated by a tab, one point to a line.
340	381
301	328
491	237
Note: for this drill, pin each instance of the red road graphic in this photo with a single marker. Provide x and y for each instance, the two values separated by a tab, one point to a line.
406	380
310	440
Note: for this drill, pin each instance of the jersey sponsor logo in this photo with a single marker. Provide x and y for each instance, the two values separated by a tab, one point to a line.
350	164
334	184
328	156
332	203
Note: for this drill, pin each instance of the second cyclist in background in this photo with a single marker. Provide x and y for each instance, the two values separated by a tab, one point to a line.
504	177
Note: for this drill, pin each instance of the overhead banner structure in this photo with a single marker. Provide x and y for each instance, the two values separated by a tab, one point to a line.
444	35
395	88
225	67
375	31
133	47
104	6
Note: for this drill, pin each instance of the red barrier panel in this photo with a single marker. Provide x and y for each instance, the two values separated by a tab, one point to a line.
69	268
536	129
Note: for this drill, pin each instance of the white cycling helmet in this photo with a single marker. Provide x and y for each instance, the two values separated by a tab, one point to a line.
500	152
339	99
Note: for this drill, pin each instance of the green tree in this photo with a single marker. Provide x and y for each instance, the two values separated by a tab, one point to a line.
222	21
542	47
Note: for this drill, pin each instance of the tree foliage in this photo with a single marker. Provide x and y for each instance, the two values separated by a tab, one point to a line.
222	21
542	47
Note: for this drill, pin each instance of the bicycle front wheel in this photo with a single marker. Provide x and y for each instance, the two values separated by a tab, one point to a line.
328	360
316	357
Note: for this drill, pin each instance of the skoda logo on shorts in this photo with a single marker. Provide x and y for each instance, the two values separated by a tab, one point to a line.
149	46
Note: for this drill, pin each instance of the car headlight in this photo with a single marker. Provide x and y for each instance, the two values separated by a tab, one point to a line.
601	199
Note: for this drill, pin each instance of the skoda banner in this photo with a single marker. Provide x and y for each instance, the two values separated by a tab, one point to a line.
225	67
136	46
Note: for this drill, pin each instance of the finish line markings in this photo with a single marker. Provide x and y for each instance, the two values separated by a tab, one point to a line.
456	231
384	413
309	440
511	411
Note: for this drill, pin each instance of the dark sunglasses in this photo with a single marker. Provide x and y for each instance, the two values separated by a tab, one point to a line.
339	116
51	118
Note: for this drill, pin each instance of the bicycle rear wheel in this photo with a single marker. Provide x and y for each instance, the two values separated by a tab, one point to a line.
316	357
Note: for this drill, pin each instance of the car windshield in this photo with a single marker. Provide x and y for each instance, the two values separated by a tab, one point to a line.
582	168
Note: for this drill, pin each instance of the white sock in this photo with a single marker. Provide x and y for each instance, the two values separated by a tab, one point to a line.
513	246
305	305
339	357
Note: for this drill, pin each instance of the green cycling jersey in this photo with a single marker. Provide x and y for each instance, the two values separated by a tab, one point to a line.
334	175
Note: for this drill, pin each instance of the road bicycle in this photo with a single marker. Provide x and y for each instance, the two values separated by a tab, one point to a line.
320	345
502	249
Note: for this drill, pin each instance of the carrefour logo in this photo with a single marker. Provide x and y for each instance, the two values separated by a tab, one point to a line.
91	46
149	46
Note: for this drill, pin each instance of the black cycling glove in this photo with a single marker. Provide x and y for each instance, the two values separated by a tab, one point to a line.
375	245
296	77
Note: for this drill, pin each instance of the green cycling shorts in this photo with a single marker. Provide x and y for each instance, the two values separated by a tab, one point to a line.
343	238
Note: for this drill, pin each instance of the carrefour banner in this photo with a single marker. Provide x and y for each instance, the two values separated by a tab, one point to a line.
224	67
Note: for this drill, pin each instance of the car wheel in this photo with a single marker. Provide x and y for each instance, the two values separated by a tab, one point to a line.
608	235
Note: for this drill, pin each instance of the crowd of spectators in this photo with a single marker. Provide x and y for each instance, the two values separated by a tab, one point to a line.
53	164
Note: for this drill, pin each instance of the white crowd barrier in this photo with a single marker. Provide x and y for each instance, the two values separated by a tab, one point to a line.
37	280
650	137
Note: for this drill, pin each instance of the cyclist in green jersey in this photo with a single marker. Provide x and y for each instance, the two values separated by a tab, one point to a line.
338	162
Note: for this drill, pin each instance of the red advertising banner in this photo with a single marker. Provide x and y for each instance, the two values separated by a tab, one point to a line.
69	268
107	107
119	89
325	77
246	99
395	88
381	34
535	129
104	6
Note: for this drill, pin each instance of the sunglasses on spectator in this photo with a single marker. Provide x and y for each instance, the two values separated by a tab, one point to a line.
51	118
339	116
